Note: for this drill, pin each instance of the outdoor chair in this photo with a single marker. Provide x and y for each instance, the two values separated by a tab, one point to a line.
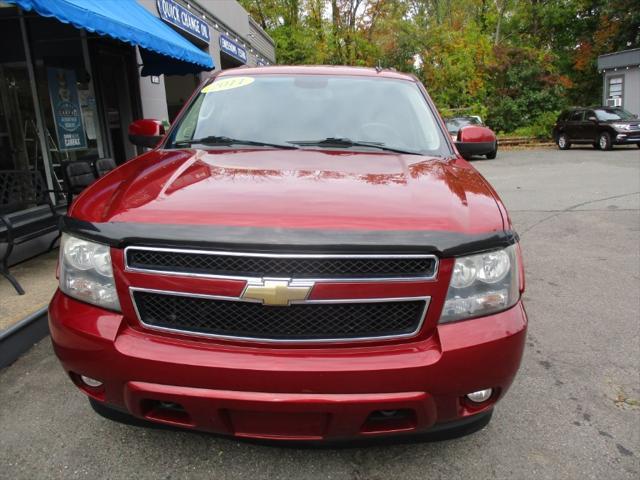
103	166
78	175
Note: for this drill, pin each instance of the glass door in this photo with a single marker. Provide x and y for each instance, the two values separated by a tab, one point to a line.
19	146
112	66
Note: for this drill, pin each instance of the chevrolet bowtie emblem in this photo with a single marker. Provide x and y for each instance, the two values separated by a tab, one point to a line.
276	292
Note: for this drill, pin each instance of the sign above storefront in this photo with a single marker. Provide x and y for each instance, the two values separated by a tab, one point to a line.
175	14
231	48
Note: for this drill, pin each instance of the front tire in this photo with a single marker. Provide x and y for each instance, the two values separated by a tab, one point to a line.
604	141
563	142
492	155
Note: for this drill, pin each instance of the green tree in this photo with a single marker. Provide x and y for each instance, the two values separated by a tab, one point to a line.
515	62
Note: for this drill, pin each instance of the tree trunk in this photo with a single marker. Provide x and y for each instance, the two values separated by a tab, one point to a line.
501	9
335	30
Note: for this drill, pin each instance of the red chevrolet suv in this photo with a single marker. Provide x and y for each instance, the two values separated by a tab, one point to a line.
304	255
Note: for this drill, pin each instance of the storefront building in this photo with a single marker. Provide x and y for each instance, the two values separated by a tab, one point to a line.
621	79
222	28
75	73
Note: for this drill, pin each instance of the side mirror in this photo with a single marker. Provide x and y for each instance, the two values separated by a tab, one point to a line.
146	133
592	119
475	140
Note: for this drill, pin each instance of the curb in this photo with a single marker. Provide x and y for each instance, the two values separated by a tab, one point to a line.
20	337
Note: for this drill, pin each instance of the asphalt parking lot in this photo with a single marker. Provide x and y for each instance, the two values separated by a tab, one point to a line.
573	412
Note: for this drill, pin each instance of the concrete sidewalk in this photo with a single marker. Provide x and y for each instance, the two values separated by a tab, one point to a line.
38	277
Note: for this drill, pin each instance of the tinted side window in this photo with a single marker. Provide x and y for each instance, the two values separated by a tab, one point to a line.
576	116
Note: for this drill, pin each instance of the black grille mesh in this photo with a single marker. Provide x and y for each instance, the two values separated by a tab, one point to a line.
299	267
295	322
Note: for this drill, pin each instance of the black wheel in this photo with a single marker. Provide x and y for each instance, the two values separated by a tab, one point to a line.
492	155
595	145
604	141
563	142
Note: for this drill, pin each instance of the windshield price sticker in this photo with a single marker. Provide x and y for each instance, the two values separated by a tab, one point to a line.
228	84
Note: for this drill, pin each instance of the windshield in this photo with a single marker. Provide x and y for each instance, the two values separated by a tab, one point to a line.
304	110
613	114
455	124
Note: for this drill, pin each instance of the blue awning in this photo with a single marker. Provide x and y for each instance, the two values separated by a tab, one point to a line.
130	22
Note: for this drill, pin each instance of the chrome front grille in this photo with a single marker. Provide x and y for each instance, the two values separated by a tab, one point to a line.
277	303
309	321
299	266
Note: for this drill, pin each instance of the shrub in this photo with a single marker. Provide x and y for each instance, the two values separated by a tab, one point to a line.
540	128
525	86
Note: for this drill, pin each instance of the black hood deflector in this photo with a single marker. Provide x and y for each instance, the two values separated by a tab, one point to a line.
258	239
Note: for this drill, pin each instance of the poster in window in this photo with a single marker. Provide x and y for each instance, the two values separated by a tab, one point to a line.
65	105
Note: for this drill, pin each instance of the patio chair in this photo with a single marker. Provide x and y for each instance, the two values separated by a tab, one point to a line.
78	175
103	166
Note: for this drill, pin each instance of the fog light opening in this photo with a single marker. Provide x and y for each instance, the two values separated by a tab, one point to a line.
166	412
90	382
388	413
382	421
480	396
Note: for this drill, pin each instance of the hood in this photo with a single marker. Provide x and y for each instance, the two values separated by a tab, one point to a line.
315	189
635	123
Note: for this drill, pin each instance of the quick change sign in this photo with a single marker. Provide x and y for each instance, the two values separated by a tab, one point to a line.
230	47
177	15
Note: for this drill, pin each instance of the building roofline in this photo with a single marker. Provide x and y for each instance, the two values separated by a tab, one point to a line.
261	30
619	52
231	30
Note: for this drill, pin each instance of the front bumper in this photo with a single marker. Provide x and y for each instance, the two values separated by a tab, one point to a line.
480	148
627	137
289	393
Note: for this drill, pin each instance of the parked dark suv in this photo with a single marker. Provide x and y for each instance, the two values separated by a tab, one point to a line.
602	127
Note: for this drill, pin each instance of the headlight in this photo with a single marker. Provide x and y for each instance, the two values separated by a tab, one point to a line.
85	272
621	126
482	284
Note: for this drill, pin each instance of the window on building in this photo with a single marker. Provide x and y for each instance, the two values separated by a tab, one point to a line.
615	87
64	90
19	146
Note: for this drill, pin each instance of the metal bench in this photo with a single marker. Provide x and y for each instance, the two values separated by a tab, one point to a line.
26	213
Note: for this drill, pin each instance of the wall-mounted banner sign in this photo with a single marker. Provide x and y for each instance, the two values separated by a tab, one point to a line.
177	15
230	47
65	105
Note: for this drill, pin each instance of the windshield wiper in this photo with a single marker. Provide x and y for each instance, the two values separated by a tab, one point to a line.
214	140
347	142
